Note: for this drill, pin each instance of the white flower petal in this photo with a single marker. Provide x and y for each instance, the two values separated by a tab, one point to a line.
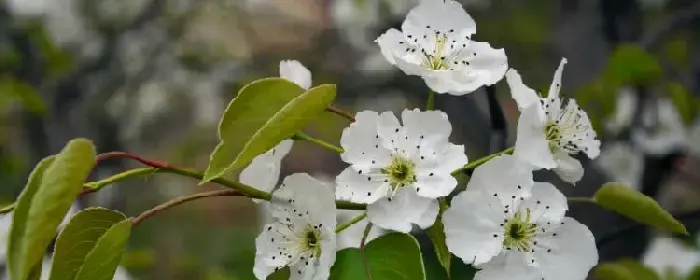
5	225
508	265
577	129
267	256
402	210
531	145
504	175
428	126
263	172
473	229
352	236
442	81
556	81
295	72
359	188
524	96
361	144
391	43
440	15
491	63
308	194
568	253
546	202
434	178
666	253
568	168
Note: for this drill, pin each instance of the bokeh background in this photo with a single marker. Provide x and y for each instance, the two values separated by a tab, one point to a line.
152	77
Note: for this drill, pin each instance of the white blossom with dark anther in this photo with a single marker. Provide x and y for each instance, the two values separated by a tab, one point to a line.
549	131
399	170
302	235
512	228
435	43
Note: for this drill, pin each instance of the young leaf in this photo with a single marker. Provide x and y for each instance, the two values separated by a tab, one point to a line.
264	113
625	269
612	271
102	261
395	256
51	189
636	206
79	238
437	235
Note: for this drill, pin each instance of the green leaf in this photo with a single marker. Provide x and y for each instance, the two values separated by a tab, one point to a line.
264	113
636	206
684	101
102	261
612	271
638	270
630	64
79	238
395	256
437	235
694	274
52	187
626	269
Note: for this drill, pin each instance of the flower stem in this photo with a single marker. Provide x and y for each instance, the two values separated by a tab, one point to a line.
362	250
474	164
431	101
341	113
180	200
324	144
581	199
355	220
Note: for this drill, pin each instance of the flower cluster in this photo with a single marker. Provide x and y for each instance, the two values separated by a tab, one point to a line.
504	223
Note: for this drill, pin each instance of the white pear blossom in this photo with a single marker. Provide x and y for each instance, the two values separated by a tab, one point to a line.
351	236
296	72
669	256
664	129
399	170
263	172
435	43
302	235
622	162
549	132
512	228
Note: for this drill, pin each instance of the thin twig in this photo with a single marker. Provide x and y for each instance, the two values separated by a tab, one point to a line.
341	113
355	220
251	192
430	104
362	250
180	200
304	137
